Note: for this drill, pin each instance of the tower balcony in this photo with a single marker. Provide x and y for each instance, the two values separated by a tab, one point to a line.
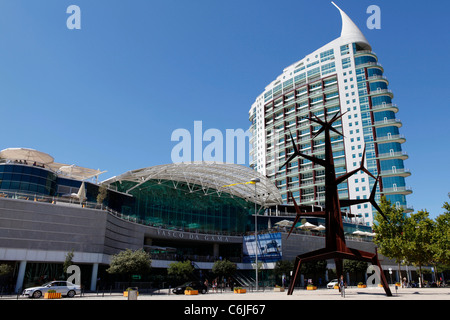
385	107
388	123
391	138
397	190
378	78
365	53
394	172
370	64
407	209
382	92
393	155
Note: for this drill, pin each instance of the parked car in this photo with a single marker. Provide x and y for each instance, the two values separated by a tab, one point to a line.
332	283
193	284
64	287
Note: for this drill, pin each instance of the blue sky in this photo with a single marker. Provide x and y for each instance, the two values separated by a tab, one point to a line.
110	95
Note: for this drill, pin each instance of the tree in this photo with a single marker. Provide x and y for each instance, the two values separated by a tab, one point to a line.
314	269
181	270
354	266
224	268
5	269
390	237
441	240
441	237
283	267
130	262
68	261
102	194
416	239
419	235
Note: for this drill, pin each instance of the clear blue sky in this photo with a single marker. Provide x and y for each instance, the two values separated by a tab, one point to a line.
110	95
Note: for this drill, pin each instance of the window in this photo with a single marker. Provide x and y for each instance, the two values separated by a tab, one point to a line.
327	55
328	68
345	50
299	69
277	89
300	77
287	83
346	63
313	72
364	59
312	64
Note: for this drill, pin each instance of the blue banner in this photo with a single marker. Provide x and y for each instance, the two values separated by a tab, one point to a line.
268	248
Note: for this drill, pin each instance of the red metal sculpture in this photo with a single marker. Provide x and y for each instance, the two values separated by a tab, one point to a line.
335	247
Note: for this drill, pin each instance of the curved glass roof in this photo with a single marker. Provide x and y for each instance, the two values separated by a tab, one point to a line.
208	177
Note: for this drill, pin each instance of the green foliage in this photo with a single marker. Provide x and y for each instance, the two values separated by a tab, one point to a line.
68	261
181	270
418	233
5	269
441	237
130	262
354	266
415	239
389	234
102	194
313	267
224	268
283	267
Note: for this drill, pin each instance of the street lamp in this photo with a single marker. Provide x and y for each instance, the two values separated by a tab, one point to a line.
255	181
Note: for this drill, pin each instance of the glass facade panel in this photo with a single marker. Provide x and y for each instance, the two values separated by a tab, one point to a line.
27	179
180	206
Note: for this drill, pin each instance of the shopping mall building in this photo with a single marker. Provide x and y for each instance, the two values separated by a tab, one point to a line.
203	212
200	212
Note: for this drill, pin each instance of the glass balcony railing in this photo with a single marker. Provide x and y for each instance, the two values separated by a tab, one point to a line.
402	172
397	190
393	155
388	123
391	138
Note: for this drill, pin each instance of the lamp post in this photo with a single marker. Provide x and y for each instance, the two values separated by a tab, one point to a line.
255	181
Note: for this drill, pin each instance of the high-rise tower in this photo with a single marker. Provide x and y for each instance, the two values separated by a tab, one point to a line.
342	76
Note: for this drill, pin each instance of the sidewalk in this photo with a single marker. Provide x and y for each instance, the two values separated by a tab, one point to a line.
352	293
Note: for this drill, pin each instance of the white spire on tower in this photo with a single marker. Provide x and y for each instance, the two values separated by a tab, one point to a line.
350	32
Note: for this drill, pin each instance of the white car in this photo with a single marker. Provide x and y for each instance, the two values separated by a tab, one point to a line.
332	283
64	287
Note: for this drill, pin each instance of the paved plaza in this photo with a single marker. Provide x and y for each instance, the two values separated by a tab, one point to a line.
351	293
300	294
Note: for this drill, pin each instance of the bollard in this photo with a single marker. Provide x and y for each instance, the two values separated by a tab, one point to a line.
132	295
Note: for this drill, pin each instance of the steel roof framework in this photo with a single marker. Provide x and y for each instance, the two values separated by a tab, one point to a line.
209	178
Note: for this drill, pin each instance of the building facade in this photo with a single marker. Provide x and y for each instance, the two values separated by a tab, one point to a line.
201	212
344	76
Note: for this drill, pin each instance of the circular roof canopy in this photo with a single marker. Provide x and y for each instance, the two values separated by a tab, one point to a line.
25	154
32	156
209	177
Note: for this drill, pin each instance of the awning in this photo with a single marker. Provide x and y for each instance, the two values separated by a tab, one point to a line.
307	226
26	154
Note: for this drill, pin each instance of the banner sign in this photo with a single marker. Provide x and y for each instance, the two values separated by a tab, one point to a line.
268	248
